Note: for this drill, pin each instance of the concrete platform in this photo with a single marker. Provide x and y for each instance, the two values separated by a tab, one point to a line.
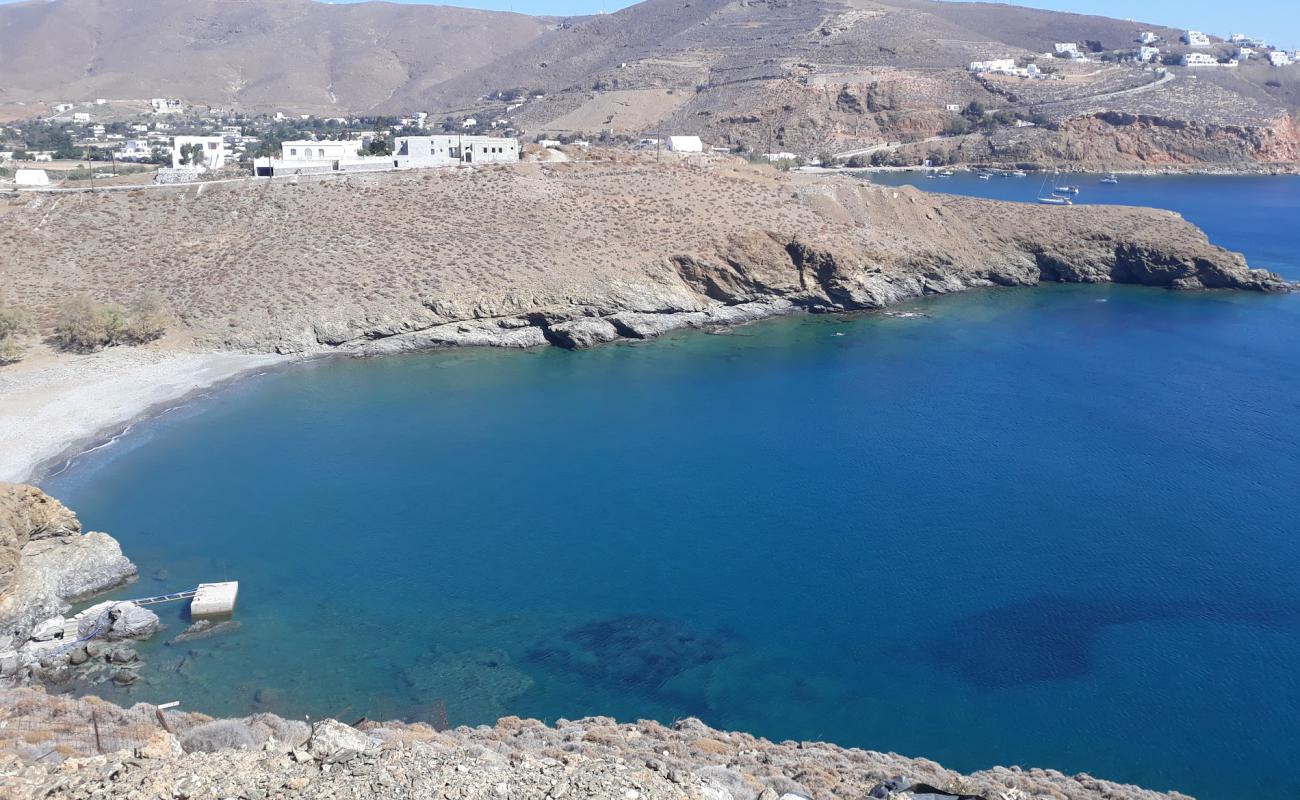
214	600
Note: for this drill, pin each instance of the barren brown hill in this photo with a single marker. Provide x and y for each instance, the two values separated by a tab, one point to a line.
807	76
254	54
568	253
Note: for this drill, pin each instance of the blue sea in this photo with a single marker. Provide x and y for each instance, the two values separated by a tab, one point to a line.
1052	527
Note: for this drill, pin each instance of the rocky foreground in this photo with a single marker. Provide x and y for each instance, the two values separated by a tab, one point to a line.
567	254
172	755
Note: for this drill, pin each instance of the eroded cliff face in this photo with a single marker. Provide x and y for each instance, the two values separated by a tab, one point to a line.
869	248
46	562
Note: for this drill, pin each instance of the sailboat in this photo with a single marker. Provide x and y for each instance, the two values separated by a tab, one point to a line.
1054	199
1110	179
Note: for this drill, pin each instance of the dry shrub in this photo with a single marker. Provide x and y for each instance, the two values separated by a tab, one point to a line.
13	322
11	350
220	734
147	319
84	325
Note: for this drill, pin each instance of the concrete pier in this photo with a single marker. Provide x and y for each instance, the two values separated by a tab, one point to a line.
214	600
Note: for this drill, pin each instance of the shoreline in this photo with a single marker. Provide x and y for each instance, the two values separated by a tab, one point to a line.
62	406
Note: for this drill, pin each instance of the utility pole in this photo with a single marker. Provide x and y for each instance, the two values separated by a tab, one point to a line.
659	139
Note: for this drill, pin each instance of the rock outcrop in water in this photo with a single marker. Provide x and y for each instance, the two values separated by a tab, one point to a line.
263	756
46	564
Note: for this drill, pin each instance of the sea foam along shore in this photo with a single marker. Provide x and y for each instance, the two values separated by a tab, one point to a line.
53	406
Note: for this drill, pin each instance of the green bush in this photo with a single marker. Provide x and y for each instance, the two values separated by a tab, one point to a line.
84	325
11	350
13	322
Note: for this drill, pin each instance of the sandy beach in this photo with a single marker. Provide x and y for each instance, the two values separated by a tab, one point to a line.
51	403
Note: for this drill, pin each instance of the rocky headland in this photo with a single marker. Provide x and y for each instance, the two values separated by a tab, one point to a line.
47	563
565	254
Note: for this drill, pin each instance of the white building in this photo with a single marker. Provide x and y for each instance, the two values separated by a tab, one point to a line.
685	144
1237	38
1196	39
1245	52
165	105
1147	37
953	107
81	116
1067	47
134	148
1206	60
214	153
1148	53
300	150
431	151
1279	58
31	177
993	65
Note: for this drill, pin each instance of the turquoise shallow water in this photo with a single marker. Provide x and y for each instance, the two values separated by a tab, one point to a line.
1051	527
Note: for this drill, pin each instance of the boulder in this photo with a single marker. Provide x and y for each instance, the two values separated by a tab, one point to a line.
118	620
49	629
204	628
333	742
585	332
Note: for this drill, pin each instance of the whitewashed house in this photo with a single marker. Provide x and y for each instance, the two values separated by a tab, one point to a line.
994	65
1148	53
685	144
134	148
1196	39
410	152
81	116
1206	60
299	150
1279	58
59	108
1065	48
1148	37
214	151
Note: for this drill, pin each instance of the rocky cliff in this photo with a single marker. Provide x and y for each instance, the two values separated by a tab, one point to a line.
152	754
47	563
568	254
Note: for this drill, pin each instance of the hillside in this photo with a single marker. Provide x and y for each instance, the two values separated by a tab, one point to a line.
806	76
254	54
575	254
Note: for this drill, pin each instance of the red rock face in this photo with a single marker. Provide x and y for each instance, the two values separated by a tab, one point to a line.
1115	139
